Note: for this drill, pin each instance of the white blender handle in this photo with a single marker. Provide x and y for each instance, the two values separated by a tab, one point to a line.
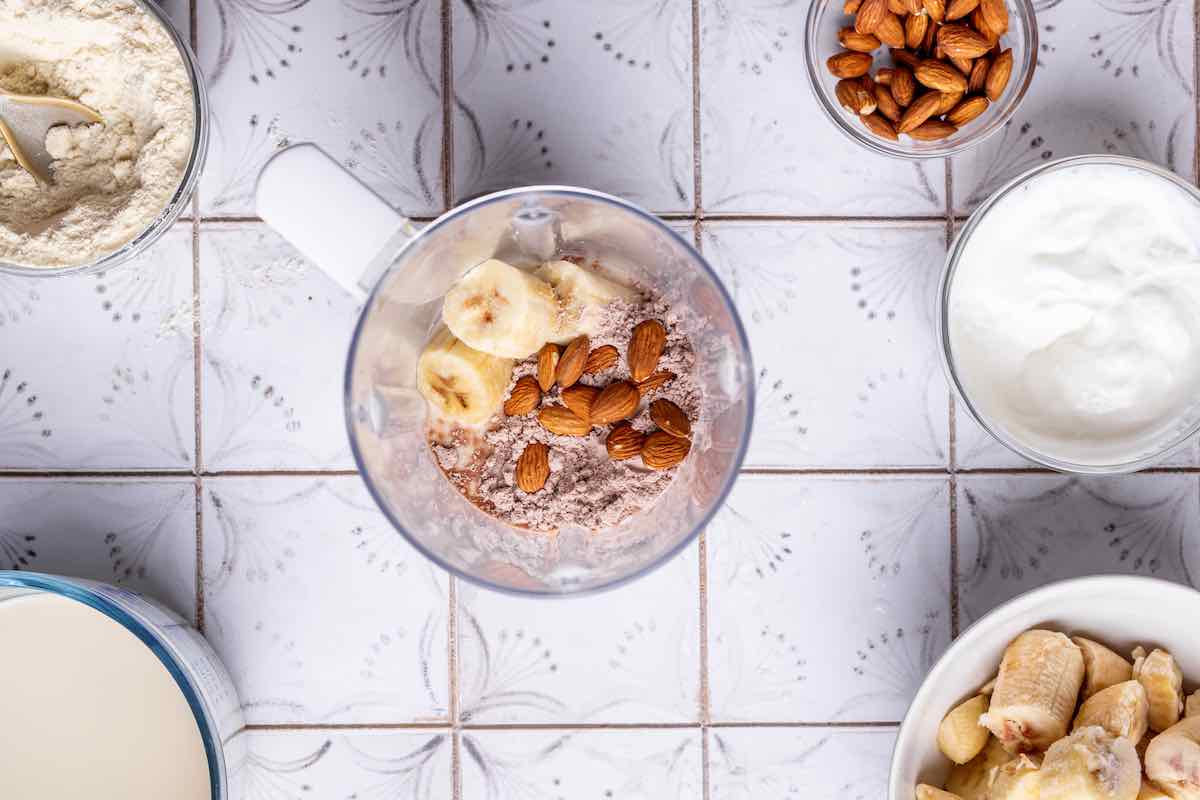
329	215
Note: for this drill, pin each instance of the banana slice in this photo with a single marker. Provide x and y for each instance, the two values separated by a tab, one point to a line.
1192	705
463	384
1122	710
1019	779
960	736
1163	680
1102	667
583	293
1173	760
1090	764
502	311
927	792
973	780
1036	690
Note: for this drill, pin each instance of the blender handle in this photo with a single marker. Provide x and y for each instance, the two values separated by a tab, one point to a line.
335	220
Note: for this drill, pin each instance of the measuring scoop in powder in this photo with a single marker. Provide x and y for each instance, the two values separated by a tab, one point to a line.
26	119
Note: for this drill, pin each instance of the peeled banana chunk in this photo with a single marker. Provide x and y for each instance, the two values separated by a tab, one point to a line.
973	780
1192	705
1122	710
960	736
1090	764
1036	690
1019	779
460	383
1163	680
1173	760
927	792
1102	667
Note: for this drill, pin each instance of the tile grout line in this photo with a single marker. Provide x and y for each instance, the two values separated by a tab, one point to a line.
674	216
705	694
565	726
452	651
455	765
705	767
954	588
697	146
447	106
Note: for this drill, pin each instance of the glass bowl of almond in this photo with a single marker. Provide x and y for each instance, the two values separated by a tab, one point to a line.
920	78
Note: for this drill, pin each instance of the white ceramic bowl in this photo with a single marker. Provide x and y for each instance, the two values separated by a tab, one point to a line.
1120	611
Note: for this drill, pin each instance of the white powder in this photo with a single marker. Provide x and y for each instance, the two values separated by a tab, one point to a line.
111	181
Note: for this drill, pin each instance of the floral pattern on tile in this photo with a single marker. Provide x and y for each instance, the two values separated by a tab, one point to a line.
303	579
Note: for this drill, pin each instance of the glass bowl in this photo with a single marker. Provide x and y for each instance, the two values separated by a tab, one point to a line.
187	184
998	431
826	18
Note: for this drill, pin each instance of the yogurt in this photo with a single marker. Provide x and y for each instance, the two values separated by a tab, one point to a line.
1074	314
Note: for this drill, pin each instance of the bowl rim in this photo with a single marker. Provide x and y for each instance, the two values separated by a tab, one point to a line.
978	630
814	64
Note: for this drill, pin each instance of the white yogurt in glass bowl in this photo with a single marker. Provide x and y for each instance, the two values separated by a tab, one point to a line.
1070	314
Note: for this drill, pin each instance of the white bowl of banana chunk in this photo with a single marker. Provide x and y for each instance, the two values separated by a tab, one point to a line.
1080	690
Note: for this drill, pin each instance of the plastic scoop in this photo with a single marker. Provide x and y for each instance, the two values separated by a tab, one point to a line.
26	119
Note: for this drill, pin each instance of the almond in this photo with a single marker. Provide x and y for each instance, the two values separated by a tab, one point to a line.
998	75
563	421
848	64
884	76
572	361
940	76
932	130
960	8
914	7
966	111
949	101
869	15
891	30
646	346
661	450
525	397
921	109
616	402
887	104
853	97
898	7
963	65
930	36
850	7
936	9
879	126
980	24
624	442
655	382
579	398
600	359
859	42
670	418
547	363
995	16
914	30
959	41
979	71
904	86
904	58
533	467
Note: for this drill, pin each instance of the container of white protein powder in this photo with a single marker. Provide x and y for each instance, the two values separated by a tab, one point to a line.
108	695
1070	314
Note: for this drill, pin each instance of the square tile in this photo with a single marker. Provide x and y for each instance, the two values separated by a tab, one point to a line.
1117	78
799	764
633	764
766	145
829	598
628	656
276	332
138	535
1019	532
840	319
96	371
360	79
520	67
321	611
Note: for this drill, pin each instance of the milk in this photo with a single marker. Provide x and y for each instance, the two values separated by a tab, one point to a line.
88	712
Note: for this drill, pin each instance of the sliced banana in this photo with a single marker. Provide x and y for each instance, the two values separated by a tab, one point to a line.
1090	764
1191	707
1102	667
1019	779
583	293
1036	690
1163	680
1122	710
462	384
973	780
960	736
1173	760
502	311
927	792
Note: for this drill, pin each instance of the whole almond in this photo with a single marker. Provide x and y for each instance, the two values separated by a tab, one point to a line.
960	8
949	101
869	15
904	86
932	130
963	65
914	6
890	30
655	382
603	357
547	364
884	75
848	64
960	41
922	109
850	7
624	442
940	76
887	104
570	365
580	398
898	7
978	76
868	83
879	126
525	397
661	450
853	97
670	418
645	348
616	402
936	9
904	58
998	75
980	24
533	467
563	421
915	26
995	16
966	111
927	44
859	42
